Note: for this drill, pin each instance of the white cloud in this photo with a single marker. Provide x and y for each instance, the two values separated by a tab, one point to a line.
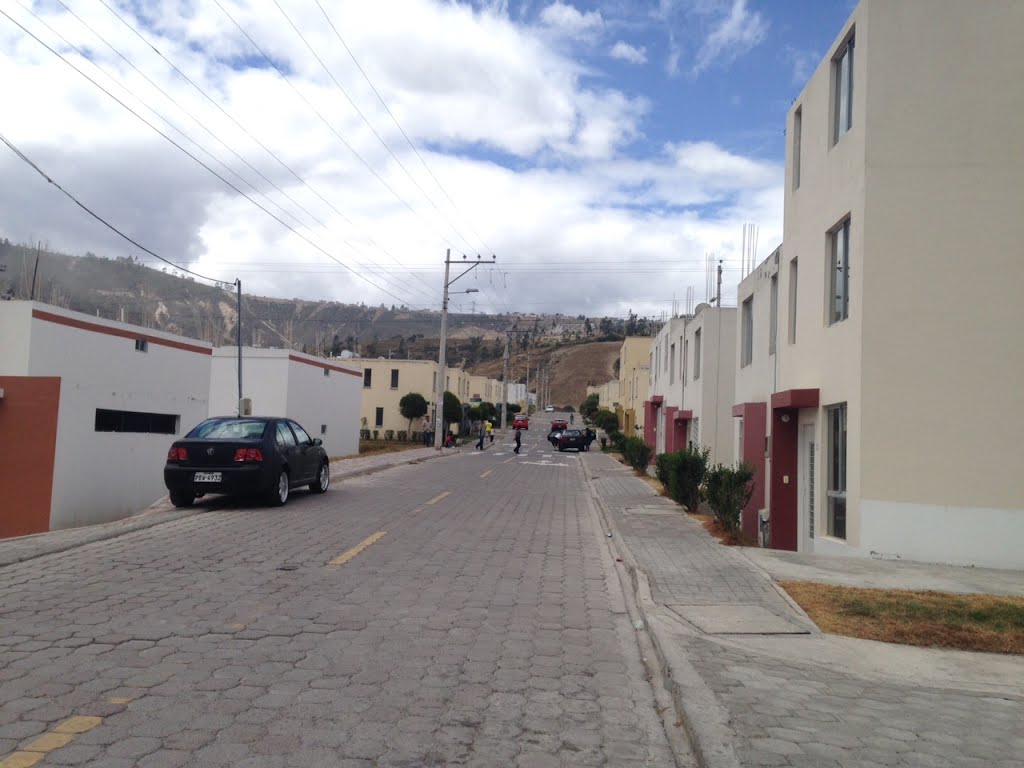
626	52
533	157
737	32
570	20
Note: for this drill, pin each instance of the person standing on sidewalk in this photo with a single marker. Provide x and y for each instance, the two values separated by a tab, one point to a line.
483	433
519	439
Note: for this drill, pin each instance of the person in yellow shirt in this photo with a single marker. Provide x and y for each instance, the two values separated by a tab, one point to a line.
490	431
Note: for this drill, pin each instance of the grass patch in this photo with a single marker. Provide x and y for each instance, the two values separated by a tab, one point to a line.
371	447
932	619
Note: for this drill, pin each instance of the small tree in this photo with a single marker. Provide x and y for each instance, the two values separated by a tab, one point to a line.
590	405
607	421
413	406
452	412
729	490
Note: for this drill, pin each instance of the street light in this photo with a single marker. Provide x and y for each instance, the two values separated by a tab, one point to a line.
441	355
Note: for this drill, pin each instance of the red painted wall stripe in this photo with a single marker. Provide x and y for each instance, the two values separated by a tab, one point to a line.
82	325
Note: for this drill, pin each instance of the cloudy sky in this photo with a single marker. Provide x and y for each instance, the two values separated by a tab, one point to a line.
335	149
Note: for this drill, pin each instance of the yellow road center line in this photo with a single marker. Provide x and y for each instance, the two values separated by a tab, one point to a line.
59	737
506	461
485	474
344	558
439	497
120	700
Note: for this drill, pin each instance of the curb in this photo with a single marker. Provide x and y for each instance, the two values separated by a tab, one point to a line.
158	513
702	717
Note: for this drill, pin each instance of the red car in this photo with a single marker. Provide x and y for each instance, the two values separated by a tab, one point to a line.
520	421
559	425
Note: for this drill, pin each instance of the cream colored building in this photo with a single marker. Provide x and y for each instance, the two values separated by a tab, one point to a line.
898	415
756	376
634	362
607	394
386	382
691	383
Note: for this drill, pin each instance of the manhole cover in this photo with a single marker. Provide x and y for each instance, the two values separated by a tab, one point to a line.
287	567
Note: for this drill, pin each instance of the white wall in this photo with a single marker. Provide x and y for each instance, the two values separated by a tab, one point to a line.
331	402
103	476
15	324
264	381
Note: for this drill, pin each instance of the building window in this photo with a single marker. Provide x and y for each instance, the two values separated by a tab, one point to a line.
842	66
433	382
378	420
798	127
323	429
672	365
773	314
327	371
136	421
141	345
686	354
695	433
837	470
696	355
747	333
367	377
839	257
394	378
792	300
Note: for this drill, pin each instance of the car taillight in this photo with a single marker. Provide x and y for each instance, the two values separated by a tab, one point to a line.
177	454
248	455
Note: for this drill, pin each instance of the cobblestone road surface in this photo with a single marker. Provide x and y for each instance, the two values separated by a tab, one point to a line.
454	612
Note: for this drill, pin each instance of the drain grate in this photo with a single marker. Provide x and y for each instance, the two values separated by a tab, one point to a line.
287	567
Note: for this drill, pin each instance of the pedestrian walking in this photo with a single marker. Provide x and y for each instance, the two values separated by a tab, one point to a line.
428	432
483	433
519	439
490	431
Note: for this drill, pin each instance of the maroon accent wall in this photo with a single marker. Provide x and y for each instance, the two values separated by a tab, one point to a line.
650	423
670	428
784	463
755	428
28	440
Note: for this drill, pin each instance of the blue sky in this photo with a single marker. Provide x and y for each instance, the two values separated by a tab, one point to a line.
605	151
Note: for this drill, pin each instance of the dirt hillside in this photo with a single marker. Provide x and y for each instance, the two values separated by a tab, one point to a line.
571	369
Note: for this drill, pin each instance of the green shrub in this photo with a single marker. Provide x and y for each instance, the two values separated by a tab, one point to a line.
606	420
636	452
376	434
728	491
682	473
364	434
403	436
416	437
389	434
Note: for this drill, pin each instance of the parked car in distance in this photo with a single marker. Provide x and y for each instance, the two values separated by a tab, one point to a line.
520	421
246	455
572	438
549	409
559	424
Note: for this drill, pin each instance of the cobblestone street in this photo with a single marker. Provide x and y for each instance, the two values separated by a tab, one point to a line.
417	616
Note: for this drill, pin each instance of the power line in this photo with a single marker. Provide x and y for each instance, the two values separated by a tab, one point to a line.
242	128
201	163
99	218
397	125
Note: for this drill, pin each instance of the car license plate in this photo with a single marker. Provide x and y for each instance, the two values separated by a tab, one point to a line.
207	477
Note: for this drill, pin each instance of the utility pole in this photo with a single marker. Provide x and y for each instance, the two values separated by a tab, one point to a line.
504	385
442	351
35	270
238	324
718	291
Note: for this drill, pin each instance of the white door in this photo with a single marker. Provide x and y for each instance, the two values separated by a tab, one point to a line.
807	479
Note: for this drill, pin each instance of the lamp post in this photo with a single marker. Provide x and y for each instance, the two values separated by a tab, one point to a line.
442	352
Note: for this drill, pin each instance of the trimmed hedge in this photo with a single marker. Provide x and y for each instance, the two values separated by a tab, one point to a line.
728	490
682	474
636	452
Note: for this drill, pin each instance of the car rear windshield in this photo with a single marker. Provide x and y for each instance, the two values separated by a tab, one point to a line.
229	429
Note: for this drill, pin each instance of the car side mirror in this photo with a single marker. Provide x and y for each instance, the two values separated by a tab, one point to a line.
317	441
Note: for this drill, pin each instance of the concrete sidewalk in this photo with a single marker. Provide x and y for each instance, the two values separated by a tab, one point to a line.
756	684
23	548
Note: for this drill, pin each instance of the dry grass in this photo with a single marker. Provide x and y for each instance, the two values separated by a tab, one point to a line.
371	447
933	619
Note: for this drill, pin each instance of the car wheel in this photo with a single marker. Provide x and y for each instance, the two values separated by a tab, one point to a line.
279	496
561	449
323	479
182	498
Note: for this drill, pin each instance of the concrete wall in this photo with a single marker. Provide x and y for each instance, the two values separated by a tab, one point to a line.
103	476
413	376
327	406
944	361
